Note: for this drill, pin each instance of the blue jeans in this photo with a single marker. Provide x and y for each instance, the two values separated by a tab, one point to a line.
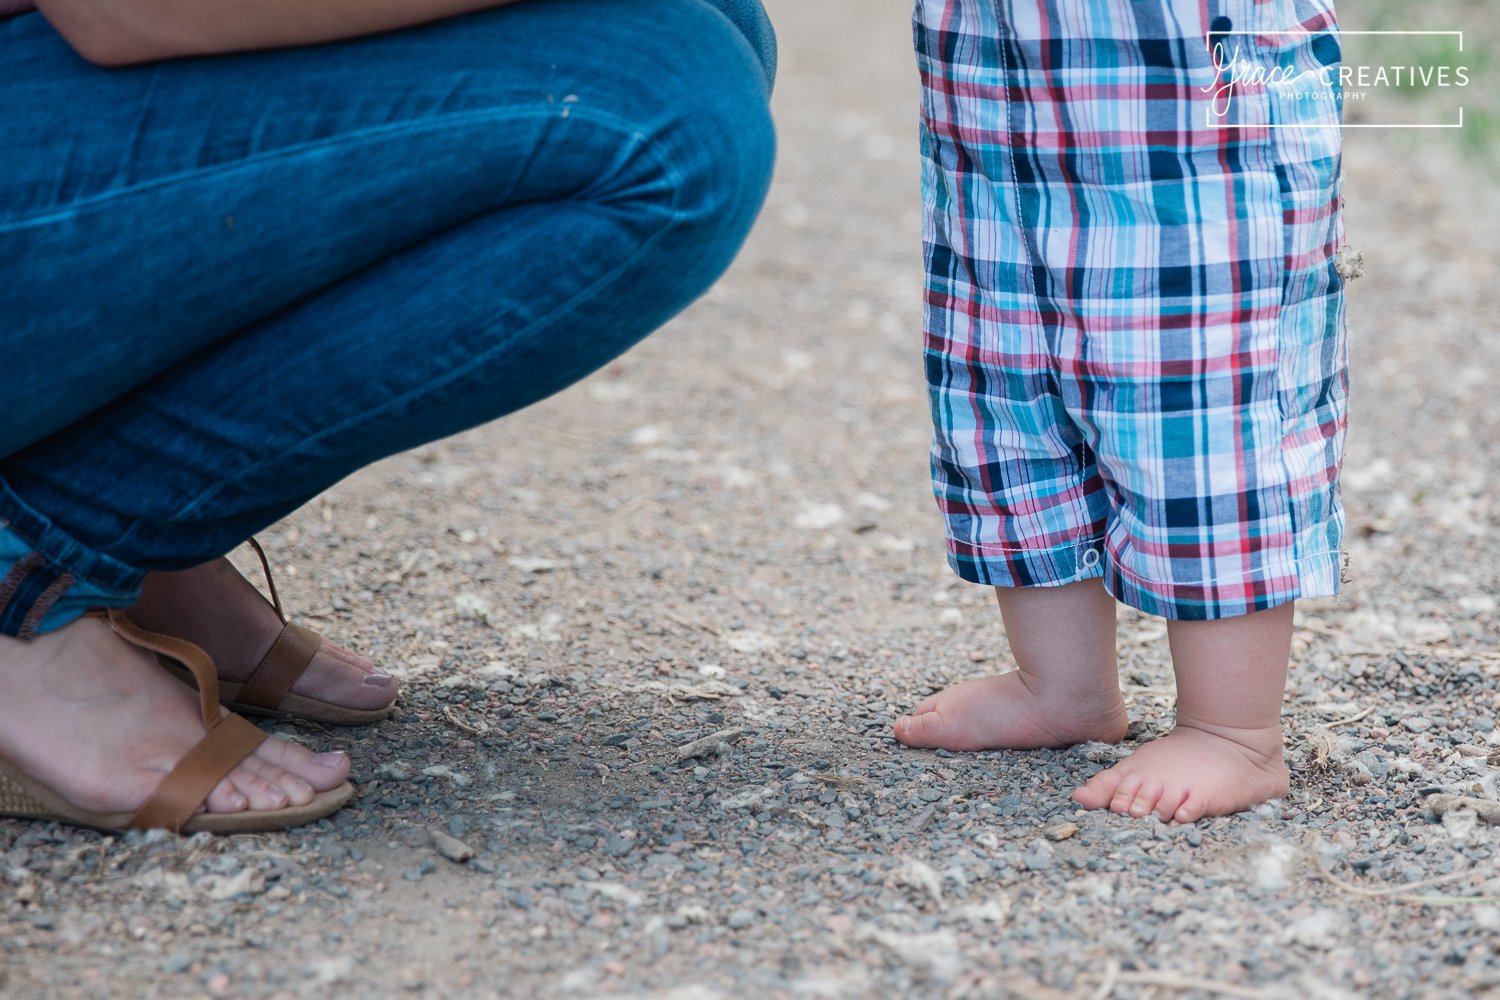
227	283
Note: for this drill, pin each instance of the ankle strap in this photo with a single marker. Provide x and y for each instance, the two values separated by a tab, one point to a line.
265	565
193	657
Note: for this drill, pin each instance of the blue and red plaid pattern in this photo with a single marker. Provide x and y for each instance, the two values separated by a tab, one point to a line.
1135	331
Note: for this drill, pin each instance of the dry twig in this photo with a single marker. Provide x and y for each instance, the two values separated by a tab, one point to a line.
708	744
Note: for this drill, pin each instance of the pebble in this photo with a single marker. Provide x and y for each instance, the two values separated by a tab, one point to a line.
451	847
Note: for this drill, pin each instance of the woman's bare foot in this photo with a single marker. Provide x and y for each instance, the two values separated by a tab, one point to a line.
214	607
1003	713
99	722
1193	772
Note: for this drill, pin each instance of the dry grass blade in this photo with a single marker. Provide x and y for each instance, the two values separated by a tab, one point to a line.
1344	722
1109	982
1198	984
1404	893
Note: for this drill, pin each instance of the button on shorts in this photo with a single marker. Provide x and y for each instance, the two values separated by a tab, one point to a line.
1134	325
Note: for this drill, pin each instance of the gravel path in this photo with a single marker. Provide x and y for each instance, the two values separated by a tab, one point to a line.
729	532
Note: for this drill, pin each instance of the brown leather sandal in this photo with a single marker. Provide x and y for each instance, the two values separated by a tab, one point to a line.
268	690
175	803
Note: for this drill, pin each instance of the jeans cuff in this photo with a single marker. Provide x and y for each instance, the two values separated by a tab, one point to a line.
48	578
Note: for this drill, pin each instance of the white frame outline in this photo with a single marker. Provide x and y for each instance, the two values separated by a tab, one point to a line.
1209	111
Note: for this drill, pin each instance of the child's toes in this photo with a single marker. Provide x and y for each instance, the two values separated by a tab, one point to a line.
1171	800
1124	795
925	729
1191	810
1146	798
1098	790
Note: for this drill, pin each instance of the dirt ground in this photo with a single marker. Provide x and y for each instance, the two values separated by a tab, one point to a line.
731	530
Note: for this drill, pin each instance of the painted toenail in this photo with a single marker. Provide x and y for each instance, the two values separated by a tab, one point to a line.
379	680
332	758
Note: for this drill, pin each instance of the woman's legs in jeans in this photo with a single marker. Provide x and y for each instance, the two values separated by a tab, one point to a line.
351	250
439	227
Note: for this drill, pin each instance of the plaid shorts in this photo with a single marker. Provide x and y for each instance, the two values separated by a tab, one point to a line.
1135	331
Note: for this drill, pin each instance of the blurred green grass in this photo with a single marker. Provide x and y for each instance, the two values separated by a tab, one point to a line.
1479	20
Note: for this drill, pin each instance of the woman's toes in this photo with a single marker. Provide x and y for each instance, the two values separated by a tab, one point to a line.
1146	798
297	791
1125	793
262	795
225	798
336	679
363	664
322	771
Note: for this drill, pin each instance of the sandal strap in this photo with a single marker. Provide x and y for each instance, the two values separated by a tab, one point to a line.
229	739
199	664
265	566
182	792
278	670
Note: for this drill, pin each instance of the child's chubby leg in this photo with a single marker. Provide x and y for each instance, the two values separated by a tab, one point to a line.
1065	688
1225	754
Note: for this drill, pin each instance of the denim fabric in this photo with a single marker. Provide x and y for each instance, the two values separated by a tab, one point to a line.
227	283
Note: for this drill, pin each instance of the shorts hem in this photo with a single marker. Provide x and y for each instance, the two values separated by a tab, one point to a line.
1317	575
1021	566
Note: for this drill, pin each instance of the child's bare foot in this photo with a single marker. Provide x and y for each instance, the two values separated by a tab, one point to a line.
214	607
1003	713
1193	772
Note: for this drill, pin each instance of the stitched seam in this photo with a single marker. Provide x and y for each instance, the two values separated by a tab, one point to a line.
1080	507
1154	585
31	625
984	548
17	573
32	543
